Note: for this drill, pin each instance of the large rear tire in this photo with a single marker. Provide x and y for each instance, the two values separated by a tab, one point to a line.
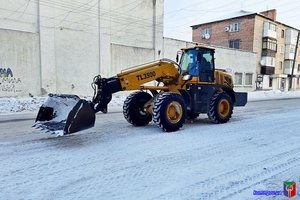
134	111
220	108
169	111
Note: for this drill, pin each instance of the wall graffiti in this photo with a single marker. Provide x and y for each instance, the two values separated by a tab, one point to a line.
9	83
6	72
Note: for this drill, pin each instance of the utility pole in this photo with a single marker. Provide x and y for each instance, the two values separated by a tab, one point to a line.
99	38
154	29
294	61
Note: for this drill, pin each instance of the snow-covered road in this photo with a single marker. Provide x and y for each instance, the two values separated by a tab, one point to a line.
257	150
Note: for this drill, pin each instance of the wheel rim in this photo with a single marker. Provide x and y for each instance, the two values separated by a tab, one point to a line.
224	108
174	112
141	109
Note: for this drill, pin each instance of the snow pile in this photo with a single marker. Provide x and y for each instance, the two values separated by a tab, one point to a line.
274	94
12	105
19	104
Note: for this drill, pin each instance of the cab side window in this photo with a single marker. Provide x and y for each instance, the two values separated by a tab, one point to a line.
206	67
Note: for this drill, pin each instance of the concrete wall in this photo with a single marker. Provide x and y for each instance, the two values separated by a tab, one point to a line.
19	63
19	15
233	61
59	46
125	56
76	40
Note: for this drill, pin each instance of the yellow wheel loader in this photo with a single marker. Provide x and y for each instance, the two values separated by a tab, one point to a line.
182	91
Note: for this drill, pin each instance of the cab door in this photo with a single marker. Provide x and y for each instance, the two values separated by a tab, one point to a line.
206	66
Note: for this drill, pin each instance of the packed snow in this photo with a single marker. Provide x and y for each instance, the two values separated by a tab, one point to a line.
257	150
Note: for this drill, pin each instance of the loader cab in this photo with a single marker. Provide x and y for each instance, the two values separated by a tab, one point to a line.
198	62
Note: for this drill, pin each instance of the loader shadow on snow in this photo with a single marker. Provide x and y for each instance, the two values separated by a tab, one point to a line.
198	121
98	136
77	140
71	141
103	132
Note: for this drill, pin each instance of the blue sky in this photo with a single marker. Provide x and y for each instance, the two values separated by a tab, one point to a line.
181	14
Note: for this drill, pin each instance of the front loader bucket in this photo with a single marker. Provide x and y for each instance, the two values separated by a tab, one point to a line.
65	114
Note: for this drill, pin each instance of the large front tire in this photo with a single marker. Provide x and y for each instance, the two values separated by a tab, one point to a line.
220	108
134	111
169	111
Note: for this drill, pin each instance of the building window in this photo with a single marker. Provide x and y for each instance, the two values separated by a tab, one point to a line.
248	79
234	27
272	27
270	44
235	44
298	67
280	65
205	31
270	82
282	33
238	78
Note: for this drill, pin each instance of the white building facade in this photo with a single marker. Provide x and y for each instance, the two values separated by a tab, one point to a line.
59	46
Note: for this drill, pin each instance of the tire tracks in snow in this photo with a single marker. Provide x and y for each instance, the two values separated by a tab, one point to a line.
284	162
116	177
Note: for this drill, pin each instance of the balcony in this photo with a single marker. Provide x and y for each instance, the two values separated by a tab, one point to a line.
268	53
269	33
288	66
270	30
267	70
267	61
291	37
289	52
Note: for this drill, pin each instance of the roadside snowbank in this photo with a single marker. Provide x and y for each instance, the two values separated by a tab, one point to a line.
15	104
274	94
28	104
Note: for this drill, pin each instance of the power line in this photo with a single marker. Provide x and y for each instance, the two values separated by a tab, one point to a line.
8	16
111	19
73	10
119	23
24	9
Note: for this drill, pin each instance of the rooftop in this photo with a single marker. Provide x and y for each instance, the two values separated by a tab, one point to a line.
268	14
232	15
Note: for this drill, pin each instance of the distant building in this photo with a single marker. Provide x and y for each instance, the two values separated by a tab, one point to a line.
273	41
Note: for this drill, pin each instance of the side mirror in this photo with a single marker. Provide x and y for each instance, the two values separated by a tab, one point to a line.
187	77
179	53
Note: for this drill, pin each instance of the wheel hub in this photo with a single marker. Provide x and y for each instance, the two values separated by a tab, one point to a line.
224	108
174	112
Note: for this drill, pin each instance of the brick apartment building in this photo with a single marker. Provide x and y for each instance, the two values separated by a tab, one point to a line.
273	41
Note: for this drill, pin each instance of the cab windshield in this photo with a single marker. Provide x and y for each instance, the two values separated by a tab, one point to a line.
188	60
198	63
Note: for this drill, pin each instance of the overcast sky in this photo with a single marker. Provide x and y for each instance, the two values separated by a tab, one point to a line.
181	14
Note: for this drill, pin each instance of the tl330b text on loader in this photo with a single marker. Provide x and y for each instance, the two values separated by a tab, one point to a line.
183	91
